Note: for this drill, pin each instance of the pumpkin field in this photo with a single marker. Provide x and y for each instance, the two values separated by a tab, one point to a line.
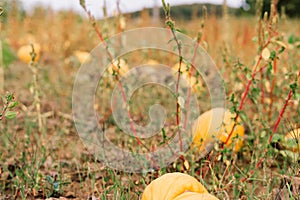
131	106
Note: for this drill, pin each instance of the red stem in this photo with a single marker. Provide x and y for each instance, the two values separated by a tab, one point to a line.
281	112
247	89
244	96
116	69
262	89
177	86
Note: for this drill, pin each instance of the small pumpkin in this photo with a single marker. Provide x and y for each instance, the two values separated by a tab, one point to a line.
195	196
186	74
25	51
172	185
205	130
237	138
82	56
119	65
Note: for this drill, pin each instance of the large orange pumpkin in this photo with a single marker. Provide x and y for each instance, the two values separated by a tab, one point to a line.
171	186
195	196
207	129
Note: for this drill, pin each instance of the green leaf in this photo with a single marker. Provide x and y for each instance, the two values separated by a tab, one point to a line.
11	114
9	97
281	50
49	179
292	39
273	55
294	87
56	186
181	31
277	137
243	115
270	68
13	105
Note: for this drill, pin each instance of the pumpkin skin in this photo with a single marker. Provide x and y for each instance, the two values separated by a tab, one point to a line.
205	130
82	56
236	140
152	62
195	196
24	53
171	185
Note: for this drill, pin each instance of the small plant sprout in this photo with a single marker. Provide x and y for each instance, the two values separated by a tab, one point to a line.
8	107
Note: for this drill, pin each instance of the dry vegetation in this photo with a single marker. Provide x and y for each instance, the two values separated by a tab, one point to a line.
53	162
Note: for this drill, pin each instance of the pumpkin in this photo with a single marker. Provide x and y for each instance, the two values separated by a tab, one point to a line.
152	62
121	64
205	130
24	53
186	74
82	56
292	140
170	186
195	196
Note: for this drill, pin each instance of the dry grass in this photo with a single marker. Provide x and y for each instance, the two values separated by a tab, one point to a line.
54	162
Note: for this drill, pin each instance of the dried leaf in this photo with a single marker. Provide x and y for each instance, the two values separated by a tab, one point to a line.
186	164
281	44
181	102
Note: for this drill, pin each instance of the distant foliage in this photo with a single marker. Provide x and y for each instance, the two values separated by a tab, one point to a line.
8	55
291	7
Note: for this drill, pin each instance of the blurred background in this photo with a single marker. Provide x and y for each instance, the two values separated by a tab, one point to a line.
41	154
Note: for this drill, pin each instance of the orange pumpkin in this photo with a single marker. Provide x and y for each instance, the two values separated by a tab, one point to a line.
206	130
119	65
82	56
25	51
186	75
195	196
152	62
170	186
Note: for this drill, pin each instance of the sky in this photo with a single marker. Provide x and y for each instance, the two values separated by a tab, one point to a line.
95	6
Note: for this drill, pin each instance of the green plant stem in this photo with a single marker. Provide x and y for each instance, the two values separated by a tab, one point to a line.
272	88
171	25
36	91
117	77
